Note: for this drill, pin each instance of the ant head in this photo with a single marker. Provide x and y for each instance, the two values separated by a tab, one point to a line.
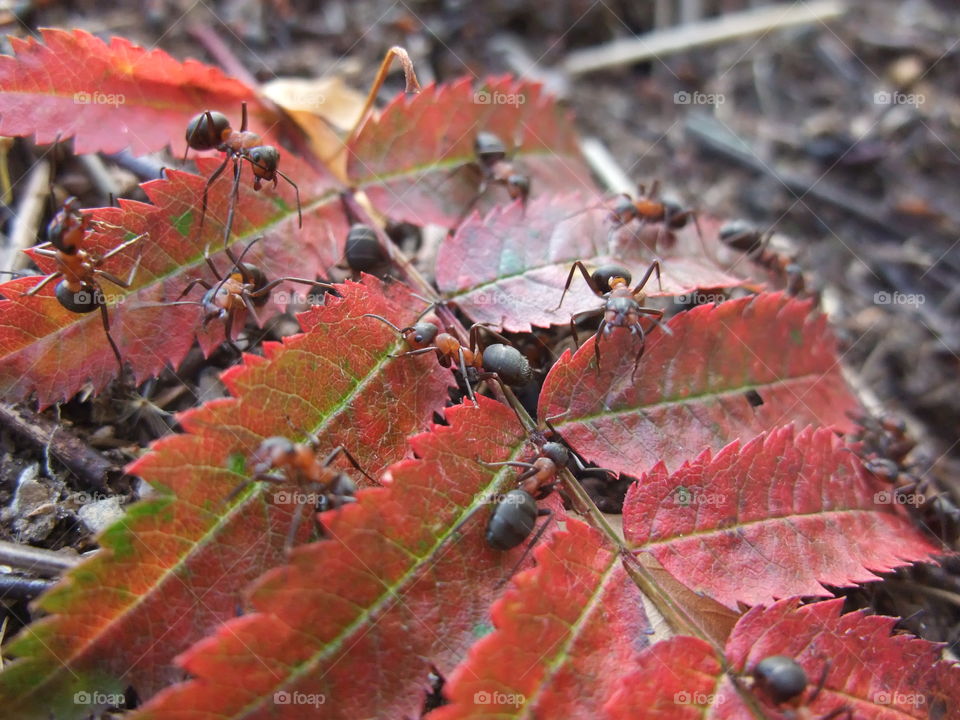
518	186
421	334
780	677
65	230
489	148
507	362
85	300
206	130
557	452
740	235
604	276
675	214
623	209
363	250
265	160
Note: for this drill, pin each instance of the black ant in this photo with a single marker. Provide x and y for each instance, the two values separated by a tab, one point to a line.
622	307
648	208
744	237
496	361
281	461
781	681
243	290
363	251
79	291
210	130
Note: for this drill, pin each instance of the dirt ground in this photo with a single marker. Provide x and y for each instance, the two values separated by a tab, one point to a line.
843	137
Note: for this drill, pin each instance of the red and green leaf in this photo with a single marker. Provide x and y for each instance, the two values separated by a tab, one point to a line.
49	350
416	163
509	268
877	675
358	619
175	567
783	515
564	635
689	391
108	97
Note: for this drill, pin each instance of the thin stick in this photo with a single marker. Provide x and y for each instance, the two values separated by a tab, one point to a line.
39	561
696	35
410	75
27	219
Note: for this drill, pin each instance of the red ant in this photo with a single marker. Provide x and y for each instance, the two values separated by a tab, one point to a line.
495	168
781	680
496	361
281	461
622	307
242	291
210	130
741	236
79	291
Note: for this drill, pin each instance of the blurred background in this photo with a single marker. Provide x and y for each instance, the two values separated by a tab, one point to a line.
835	124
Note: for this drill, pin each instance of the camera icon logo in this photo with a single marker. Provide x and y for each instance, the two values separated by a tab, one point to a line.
882	97
681	97
281	697
81	98
482	97
482	698
884	497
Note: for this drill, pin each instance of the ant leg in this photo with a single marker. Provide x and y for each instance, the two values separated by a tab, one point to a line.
420	351
542	512
475	335
105	317
206	188
577	317
596	342
466	379
228	332
234	197
654	268
271	285
46	253
36	288
243	116
586	276
297	191
341	450
123	246
294	526
638	329
192	284
384	320
508	463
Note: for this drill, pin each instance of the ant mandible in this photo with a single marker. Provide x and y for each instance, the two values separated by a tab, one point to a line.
210	130
781	680
498	361
79	291
243	290
622	307
281	461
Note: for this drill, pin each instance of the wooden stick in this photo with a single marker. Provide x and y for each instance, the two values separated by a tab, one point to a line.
39	561
697	35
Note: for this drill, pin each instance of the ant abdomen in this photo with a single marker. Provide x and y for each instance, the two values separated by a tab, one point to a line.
512	521
363	249
507	362
202	134
85	300
780	677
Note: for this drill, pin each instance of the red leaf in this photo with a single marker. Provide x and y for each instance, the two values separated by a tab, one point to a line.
509	268
781	516
563	636
107	97
359	619
688	393
876	675
174	567
50	350
412	162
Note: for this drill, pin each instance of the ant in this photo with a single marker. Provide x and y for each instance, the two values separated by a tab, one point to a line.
281	461
363	251
243	290
744	237
210	130
79	291
622	307
647	208
492	160
498	361
781	680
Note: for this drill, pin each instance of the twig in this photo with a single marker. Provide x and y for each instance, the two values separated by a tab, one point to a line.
19	588
102	179
224	56
145	168
409	74
605	165
27	220
84	462
40	561
696	35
